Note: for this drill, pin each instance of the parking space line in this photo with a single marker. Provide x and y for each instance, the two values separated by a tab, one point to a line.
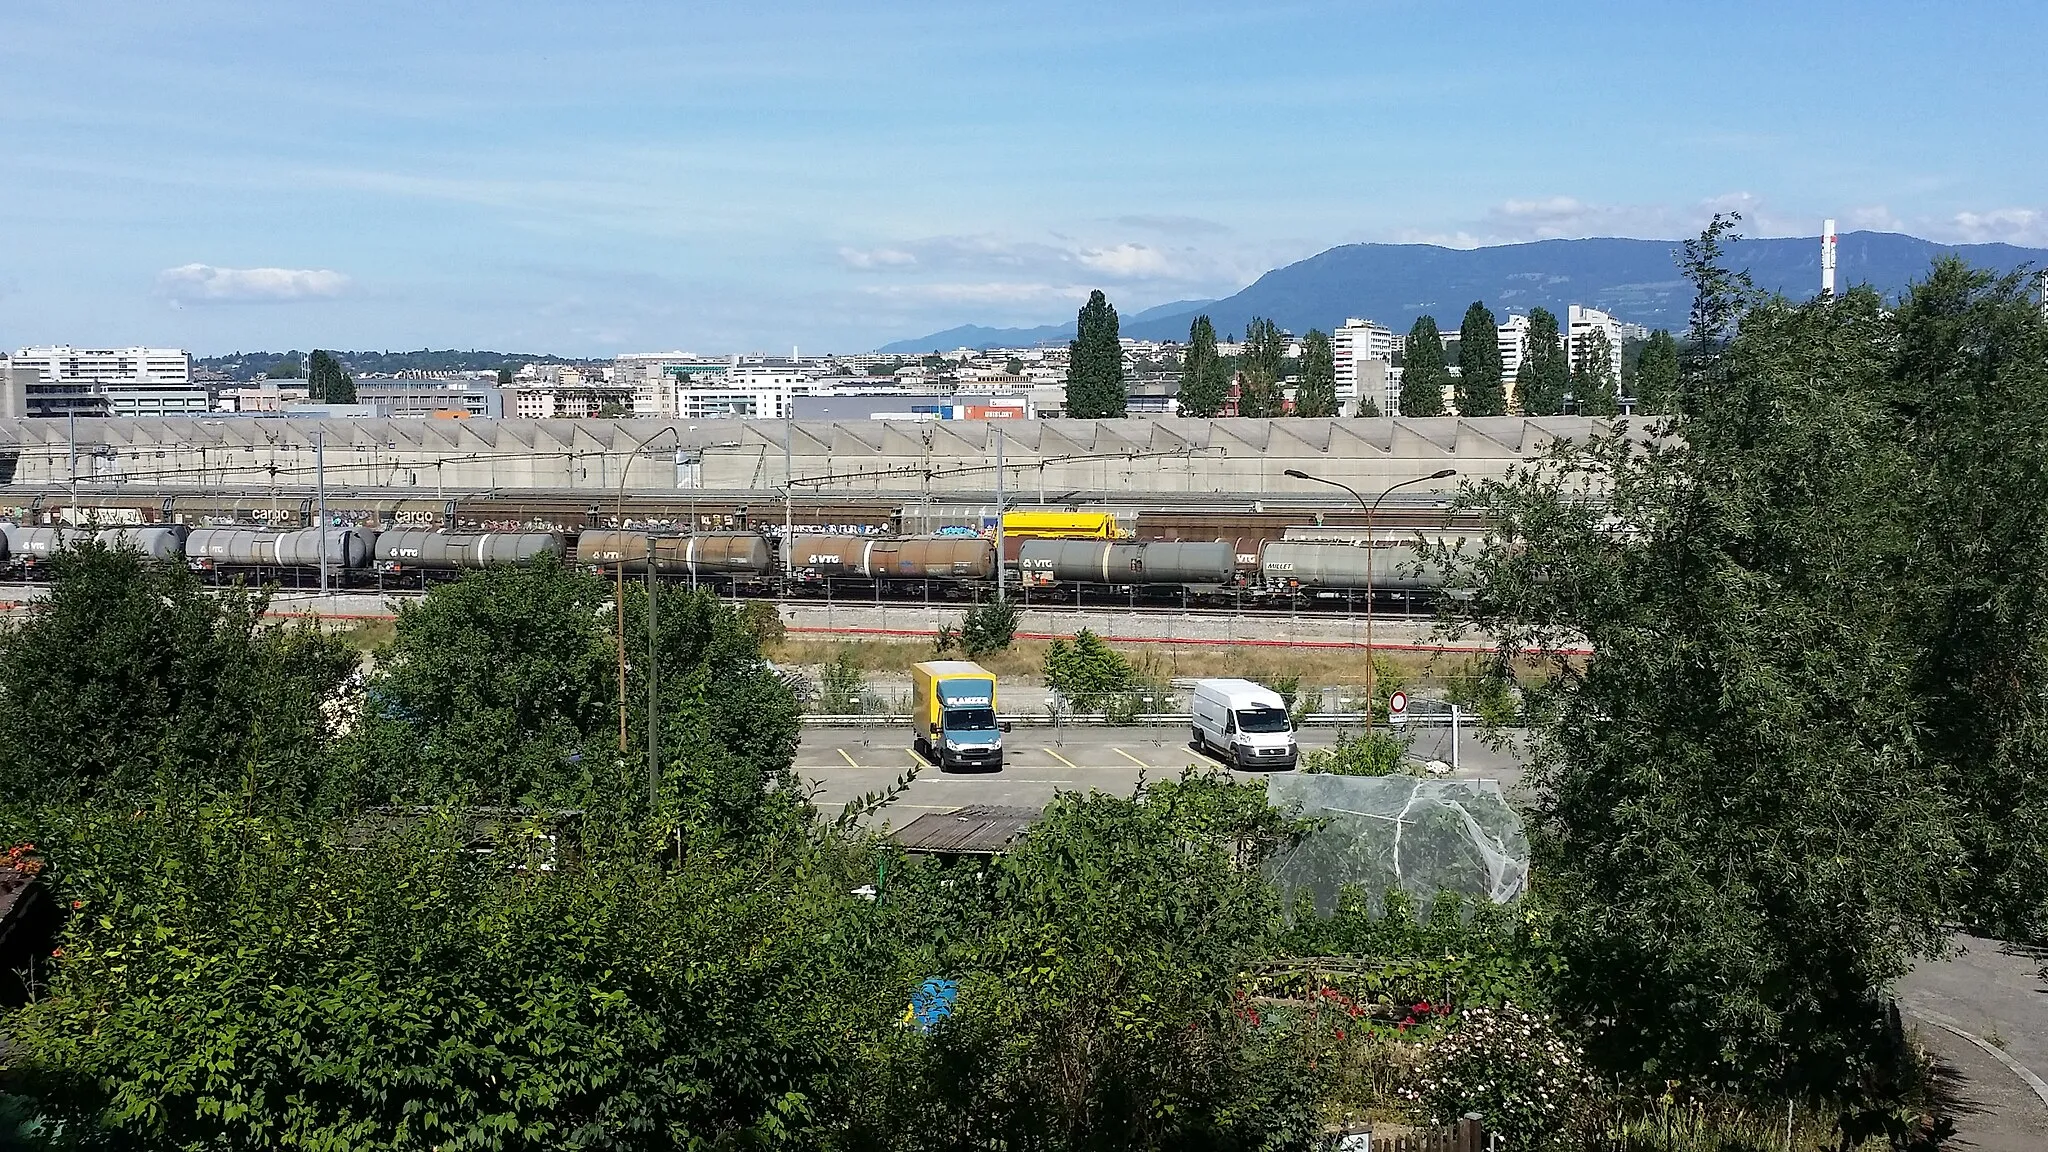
1061	759
1131	758
847	758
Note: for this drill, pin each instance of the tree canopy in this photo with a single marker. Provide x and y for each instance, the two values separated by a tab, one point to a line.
1593	390
1259	368
1544	376
1317	394
1479	390
1204	384
1095	366
1423	372
327	382
1657	375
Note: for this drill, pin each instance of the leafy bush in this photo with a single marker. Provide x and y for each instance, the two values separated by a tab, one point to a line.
989	627
1516	1070
1487	690
843	687
1373	752
1087	671
763	621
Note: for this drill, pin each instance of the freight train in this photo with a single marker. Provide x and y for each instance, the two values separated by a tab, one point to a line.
1315	563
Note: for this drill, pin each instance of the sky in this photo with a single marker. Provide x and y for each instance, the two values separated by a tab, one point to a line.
604	176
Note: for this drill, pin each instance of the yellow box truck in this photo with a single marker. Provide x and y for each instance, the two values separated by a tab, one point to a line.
954	714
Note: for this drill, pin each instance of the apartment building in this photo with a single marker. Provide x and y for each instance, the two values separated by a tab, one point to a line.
1581	323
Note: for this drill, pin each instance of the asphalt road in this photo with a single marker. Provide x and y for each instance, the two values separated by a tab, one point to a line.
843	763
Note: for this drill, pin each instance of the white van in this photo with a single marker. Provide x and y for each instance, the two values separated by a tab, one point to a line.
1244	721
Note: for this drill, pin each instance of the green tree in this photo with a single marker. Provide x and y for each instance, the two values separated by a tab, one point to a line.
1259	369
1317	395
502	688
506	374
989	627
1204	383
130	678
1095	364
1087	671
1747	686
286	368
1719	297
1479	389
1423	372
1544	375
1593	378
1657	375
1099	966
327	382
1014	366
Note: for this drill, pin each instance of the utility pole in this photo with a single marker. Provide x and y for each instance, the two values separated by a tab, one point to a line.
71	442
788	495
320	498
999	513
653	690
619	603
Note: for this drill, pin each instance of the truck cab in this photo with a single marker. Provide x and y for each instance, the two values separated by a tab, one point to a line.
1245	722
954	712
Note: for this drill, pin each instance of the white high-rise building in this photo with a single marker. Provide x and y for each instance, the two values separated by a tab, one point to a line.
1580	325
1355	343
1514	339
763	390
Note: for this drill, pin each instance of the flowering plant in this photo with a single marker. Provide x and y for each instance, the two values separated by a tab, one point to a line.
1515	1070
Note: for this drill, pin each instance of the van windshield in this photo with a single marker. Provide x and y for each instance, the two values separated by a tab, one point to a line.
970	719
1262	720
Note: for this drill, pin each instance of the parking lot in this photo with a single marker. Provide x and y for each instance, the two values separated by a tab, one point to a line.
842	763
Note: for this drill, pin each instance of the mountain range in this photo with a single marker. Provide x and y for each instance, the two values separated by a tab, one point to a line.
1635	280
975	336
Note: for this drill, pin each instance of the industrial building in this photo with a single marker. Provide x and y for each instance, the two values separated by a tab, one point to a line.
860	456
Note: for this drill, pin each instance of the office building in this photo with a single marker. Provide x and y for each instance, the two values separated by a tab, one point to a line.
69	381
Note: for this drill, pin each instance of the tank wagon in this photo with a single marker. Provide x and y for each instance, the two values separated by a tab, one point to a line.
740	555
424	550
1193	563
347	549
952	558
35	545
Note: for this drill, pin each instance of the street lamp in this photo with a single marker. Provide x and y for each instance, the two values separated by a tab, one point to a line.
1371	546
619	602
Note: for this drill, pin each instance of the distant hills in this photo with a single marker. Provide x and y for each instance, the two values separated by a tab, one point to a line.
975	336
1636	280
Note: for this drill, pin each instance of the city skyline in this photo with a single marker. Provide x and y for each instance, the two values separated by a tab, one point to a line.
515	178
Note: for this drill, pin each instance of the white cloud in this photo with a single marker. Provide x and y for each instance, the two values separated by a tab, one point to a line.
1126	261
205	284
866	259
2010	225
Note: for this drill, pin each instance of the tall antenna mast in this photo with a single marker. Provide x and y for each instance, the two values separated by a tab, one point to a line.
1827	258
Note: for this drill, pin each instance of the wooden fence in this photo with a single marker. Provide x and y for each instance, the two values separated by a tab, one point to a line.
1467	1135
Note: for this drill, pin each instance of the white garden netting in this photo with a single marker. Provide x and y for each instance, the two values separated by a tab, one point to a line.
1382	833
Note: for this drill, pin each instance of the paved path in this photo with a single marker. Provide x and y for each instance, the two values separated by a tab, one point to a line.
1996	995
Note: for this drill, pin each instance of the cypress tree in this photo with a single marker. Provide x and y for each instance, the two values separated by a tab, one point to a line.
1544	376
1259	369
1657	375
326	382
1204	385
1095	364
1593	379
1423	372
1317	395
1479	388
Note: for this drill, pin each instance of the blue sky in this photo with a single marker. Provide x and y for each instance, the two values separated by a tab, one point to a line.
594	177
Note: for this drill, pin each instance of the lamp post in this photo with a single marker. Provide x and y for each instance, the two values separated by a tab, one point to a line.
619	601
1371	555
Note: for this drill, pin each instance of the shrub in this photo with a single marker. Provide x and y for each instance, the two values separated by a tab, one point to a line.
1087	671
989	627
1373	752
1516	1071
842	686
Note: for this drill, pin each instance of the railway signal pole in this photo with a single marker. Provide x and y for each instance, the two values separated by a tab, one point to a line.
1371	556
999	514
320	499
